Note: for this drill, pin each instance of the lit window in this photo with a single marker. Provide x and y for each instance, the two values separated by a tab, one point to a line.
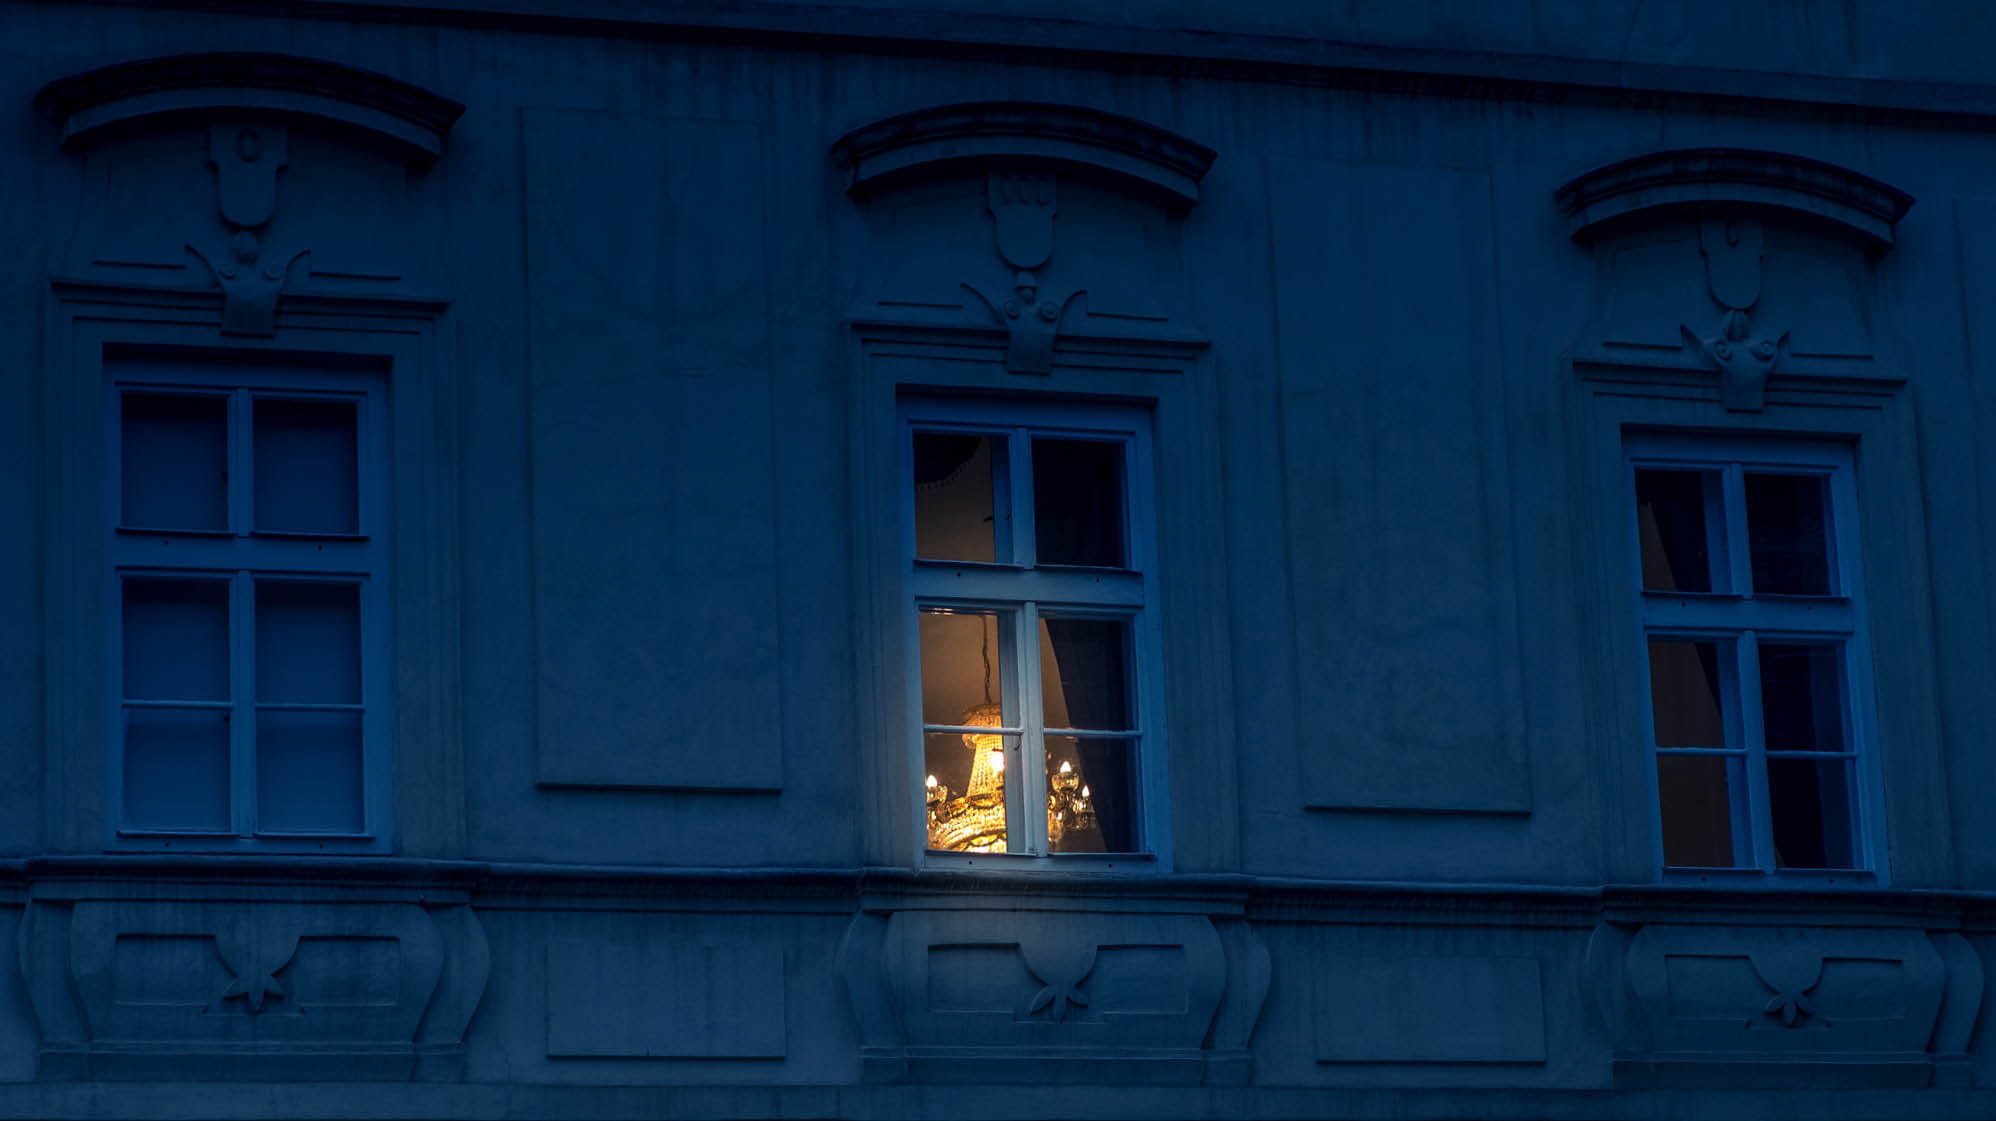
1034	611
1759	674
247	697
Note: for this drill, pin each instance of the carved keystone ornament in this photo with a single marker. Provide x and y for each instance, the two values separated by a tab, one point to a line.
246	159
1732	248
1022	207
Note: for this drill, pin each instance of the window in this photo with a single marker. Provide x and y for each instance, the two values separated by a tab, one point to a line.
1028	530
246	605
1750	605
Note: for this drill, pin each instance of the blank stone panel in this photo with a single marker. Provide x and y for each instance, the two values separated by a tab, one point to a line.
1430	1009
665	998
656	604
1399	519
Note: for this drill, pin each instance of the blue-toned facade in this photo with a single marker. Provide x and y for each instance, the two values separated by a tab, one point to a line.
600	333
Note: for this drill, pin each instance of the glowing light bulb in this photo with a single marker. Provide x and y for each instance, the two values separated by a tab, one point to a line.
1066	768
930	782
997	762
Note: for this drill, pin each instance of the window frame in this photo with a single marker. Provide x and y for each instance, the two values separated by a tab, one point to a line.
1738	618
244	557
1027	591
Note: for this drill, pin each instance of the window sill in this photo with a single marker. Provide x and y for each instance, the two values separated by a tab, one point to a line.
1058	864
213	844
1785	879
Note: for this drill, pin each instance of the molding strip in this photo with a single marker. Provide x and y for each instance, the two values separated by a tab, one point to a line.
982	135
1716	179
406	119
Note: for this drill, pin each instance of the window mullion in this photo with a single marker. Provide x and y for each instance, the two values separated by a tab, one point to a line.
242	715
241	497
1738	547
1754	736
1018	459
1023	792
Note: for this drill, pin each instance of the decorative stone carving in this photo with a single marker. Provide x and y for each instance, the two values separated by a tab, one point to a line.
1006	995
1022	206
1732	249
278	138
1753	265
1026	155
249	288
1788	1004
225	989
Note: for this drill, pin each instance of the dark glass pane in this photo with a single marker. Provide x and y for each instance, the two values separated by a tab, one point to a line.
308	772
1091	794
177	769
1684	693
1695	793
959	493
307	642
1810	807
1788	534
964	790
307	466
175	469
1674	512
963	666
1084	675
176	640
1801	691
1078	502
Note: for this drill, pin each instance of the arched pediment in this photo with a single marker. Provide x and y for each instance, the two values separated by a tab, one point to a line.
405	119
955	139
1730	179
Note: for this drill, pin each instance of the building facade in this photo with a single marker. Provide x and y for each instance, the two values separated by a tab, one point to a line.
928	558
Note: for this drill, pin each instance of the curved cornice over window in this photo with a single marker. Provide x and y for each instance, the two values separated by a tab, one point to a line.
951	138
403	118
1717	178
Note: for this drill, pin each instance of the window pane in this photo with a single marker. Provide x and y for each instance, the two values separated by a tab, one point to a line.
175	469
308	772
307	642
1696	793
177	769
307	466
1685	693
1801	693
176	640
963	666
1787	533
964	790
1091	794
1675	516
1084	675
960	490
1810	807
1078	502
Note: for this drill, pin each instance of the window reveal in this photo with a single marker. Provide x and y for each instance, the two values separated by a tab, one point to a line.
1031	611
246	566
1750	603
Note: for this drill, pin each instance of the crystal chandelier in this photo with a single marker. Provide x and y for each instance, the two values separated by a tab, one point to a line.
974	821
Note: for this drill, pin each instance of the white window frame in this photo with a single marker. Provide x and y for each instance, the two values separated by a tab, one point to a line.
1023	590
242	555
1745	620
